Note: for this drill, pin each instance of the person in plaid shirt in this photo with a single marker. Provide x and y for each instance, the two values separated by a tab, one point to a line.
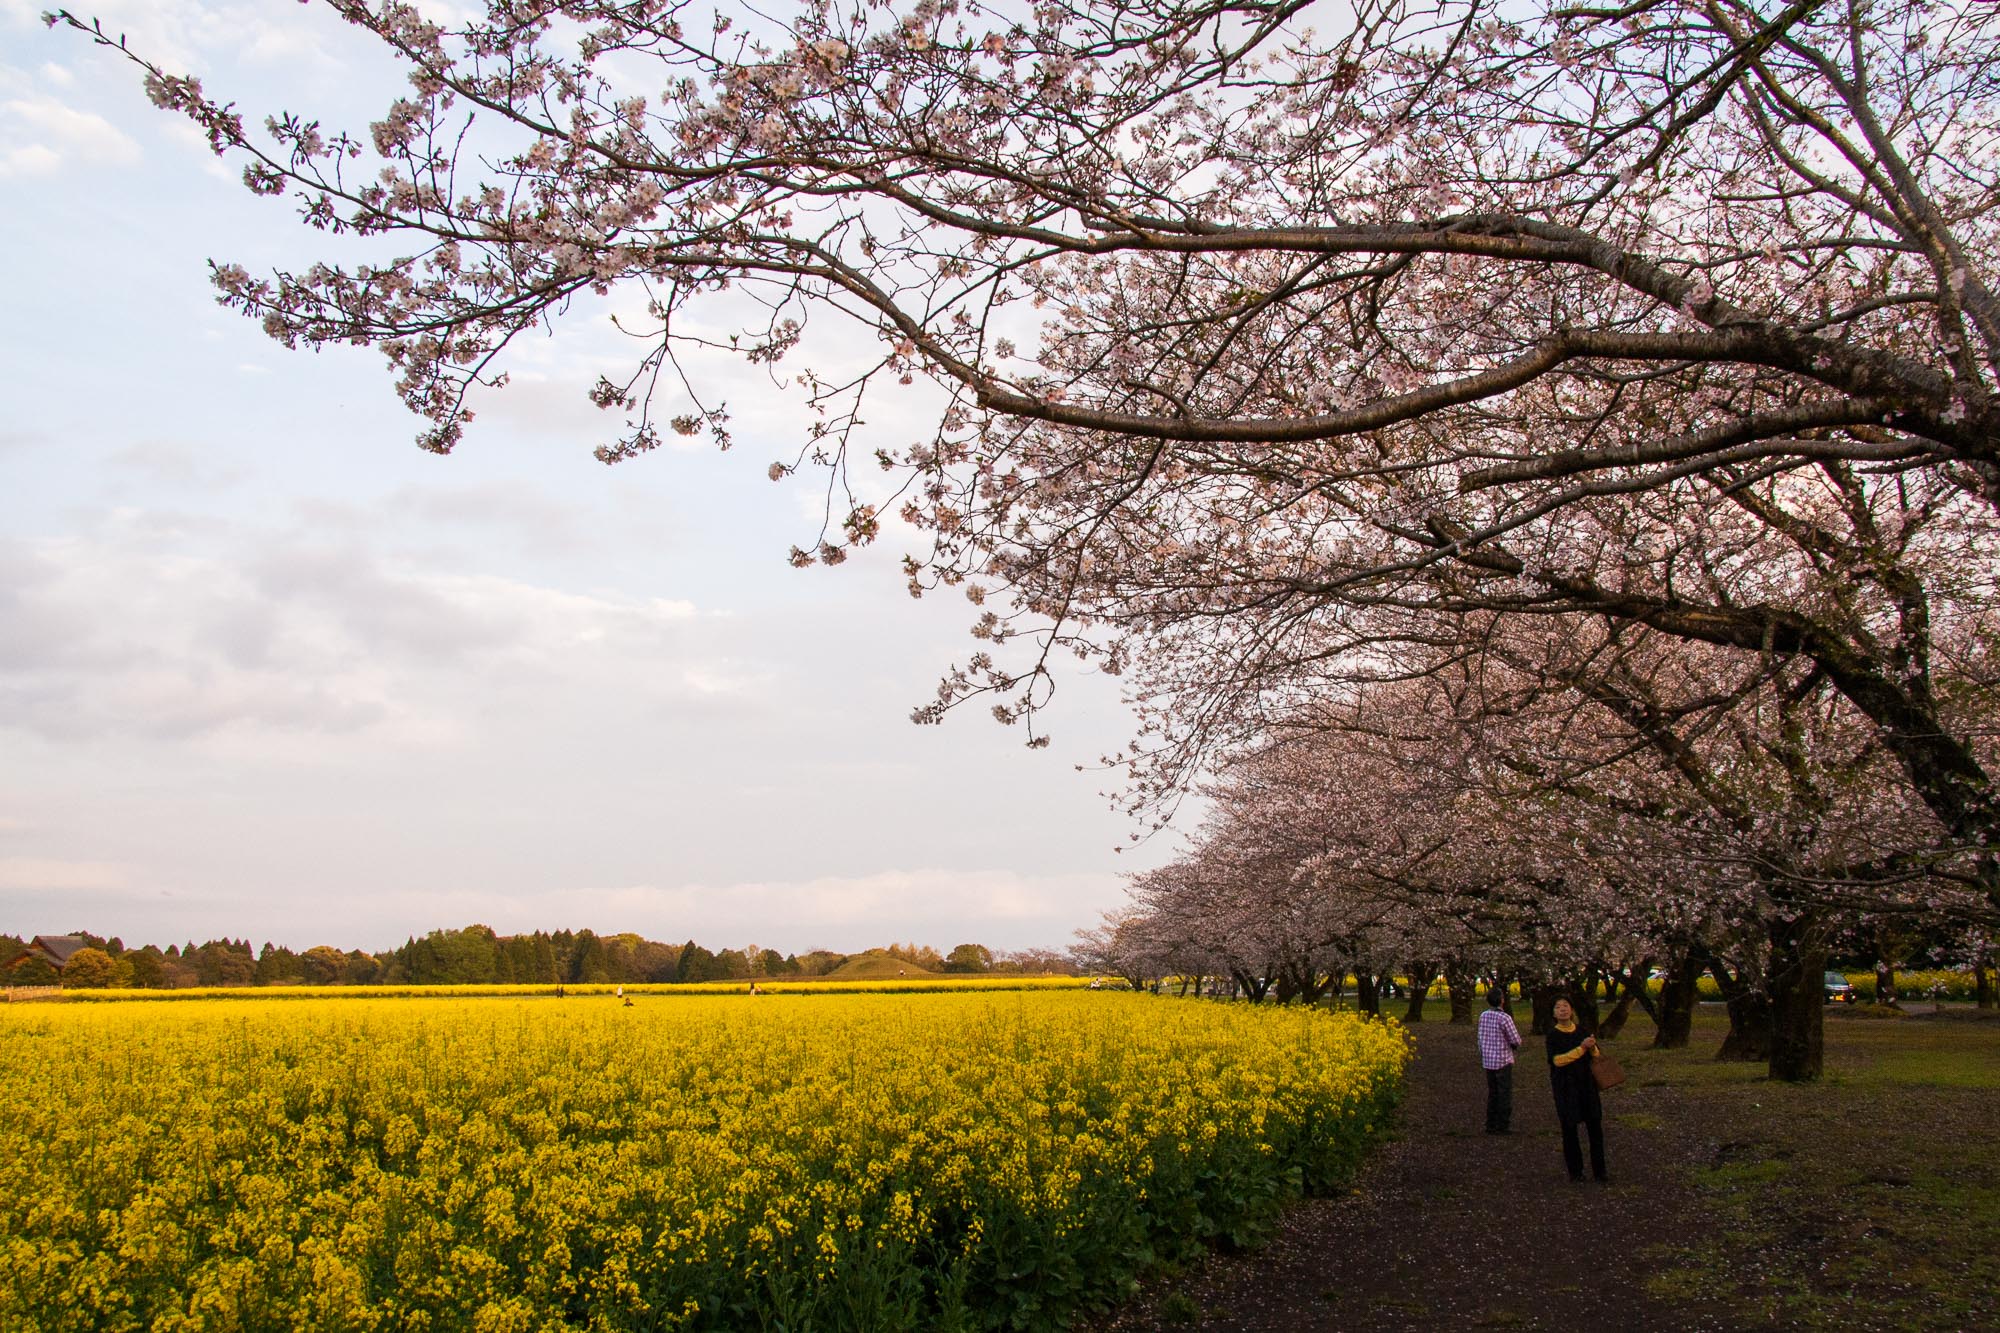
1498	1040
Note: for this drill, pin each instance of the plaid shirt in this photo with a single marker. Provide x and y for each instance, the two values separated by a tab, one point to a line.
1498	1039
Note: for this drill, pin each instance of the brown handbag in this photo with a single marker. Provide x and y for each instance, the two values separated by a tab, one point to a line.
1606	1071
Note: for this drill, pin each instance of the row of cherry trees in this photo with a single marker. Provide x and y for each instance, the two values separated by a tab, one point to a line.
1540	461
1573	812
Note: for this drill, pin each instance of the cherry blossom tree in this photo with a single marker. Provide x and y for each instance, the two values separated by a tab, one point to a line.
1773	796
1279	365
1437	308
1585	806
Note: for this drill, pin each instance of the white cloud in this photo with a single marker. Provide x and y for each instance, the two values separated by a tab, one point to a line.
43	135
133	632
514	511
28	160
196	147
186	35
32	873
153	464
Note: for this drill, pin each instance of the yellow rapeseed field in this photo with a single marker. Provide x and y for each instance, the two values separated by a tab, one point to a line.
861	1162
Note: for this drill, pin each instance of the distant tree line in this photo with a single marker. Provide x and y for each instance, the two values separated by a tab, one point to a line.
475	955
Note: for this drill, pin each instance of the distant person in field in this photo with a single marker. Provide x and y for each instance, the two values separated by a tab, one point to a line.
1498	1040
1577	1104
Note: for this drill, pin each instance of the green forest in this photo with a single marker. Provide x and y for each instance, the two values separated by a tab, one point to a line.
474	955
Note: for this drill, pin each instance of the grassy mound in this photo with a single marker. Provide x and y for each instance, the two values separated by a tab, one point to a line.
876	965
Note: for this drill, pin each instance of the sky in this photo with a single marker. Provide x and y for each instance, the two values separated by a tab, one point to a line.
267	670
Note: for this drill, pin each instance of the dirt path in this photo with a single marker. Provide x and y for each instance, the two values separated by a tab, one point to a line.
1449	1227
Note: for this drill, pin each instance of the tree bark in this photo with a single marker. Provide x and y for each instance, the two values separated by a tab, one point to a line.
1679	990
1632	983
1420	975
1367	994
1583	998
1544	1012
1254	987
1749	1036
1985	981
1796	979
1890	947
1461	985
1299	981
1749	1016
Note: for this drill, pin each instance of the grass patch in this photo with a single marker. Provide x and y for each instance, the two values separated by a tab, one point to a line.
1742	1175
1927	1069
1872	1196
1682	1284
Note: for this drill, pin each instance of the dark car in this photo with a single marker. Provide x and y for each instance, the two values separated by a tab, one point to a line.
1837	988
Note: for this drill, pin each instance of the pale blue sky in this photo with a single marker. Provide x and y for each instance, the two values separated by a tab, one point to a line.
266	669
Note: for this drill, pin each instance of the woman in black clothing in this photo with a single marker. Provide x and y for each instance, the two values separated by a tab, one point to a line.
1570	1054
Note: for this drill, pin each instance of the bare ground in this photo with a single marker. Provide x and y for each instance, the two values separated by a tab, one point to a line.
1451	1228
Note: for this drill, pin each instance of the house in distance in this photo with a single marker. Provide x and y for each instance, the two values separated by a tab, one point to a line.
55	950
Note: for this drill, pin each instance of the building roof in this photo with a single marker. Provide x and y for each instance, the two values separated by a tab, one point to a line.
60	948
56	950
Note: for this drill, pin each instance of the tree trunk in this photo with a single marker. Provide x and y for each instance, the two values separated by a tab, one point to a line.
1796	979
1420	989
1258	988
1460	984
1891	947
1583	999
1633	984
1749	1016
1679	990
1367	995
1544	1011
1749	1036
1984	980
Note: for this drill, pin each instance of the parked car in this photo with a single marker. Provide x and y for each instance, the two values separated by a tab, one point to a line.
1837	988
